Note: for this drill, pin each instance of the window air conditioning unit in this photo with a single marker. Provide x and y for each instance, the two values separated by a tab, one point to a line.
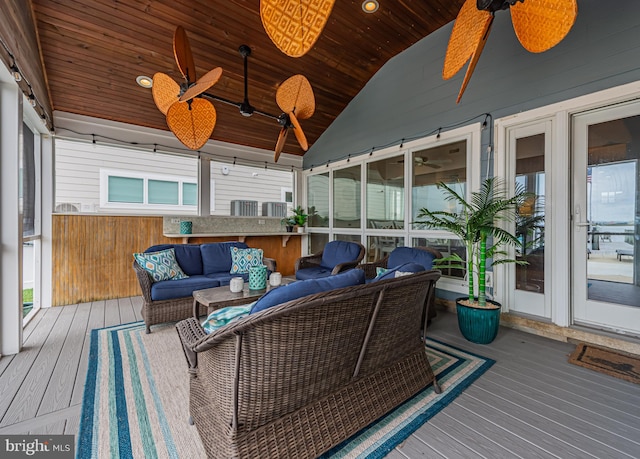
274	209
242	208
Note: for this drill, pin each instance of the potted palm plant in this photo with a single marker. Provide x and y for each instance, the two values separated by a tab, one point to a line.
477	223
300	218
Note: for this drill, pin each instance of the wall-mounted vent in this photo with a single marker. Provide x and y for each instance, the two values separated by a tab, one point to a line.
241	208
68	207
274	209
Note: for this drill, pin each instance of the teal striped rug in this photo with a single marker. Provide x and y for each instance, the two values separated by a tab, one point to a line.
136	396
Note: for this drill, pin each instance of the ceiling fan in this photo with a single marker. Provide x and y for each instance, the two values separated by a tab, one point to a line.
539	26
192	118
433	163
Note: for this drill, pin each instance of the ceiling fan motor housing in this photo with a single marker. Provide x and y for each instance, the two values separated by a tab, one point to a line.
495	5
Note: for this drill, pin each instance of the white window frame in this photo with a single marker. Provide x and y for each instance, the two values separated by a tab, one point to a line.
104	191
472	134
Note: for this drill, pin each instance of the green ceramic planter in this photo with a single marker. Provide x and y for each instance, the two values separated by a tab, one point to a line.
478	325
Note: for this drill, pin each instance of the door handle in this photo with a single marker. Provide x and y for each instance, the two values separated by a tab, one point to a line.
578	219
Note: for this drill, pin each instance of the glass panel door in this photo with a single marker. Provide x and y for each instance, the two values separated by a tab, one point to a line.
528	157
606	190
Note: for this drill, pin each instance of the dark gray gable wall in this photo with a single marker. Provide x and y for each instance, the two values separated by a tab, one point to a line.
408	96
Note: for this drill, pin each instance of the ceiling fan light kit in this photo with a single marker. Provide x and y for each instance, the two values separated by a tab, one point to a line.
539	25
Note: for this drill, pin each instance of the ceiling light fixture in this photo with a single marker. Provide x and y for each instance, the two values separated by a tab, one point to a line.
370	6
144	81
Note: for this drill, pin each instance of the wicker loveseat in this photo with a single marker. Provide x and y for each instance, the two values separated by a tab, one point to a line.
207	266
298	378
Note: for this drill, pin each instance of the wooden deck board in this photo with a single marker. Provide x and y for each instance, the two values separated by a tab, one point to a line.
60	387
96	320
532	403
14	376
30	395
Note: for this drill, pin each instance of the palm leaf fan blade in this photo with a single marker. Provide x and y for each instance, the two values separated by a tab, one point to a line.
468	31
542	24
282	138
192	122
297	130
205	82
182	53
165	91
294	26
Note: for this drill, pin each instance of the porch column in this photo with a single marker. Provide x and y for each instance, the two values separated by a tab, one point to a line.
10	216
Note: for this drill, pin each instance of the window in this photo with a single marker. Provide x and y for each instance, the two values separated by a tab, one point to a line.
318	200
385	193
346	197
131	190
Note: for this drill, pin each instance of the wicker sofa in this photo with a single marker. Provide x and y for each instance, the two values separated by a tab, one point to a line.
207	266
300	377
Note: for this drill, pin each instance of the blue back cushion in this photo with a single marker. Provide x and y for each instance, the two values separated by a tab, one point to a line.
336	252
216	256
308	287
402	255
405	268
187	255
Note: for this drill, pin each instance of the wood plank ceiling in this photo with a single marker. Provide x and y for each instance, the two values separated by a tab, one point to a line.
94	50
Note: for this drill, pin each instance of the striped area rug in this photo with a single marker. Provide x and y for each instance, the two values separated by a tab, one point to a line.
137	390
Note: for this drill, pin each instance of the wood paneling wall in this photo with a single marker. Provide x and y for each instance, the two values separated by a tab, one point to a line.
92	254
18	31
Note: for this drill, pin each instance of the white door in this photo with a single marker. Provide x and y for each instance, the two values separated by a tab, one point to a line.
606	218
529	156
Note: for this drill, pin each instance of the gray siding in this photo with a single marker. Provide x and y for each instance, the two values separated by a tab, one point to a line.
408	98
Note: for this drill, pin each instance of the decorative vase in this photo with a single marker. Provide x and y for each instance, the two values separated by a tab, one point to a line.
258	277
186	227
478	325
300	229
236	285
289	229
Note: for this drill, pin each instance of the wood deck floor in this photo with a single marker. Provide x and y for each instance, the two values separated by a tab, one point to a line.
532	403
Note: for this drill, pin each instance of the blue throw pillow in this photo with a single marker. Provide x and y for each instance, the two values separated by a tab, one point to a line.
403	268
337	252
302	288
243	259
161	265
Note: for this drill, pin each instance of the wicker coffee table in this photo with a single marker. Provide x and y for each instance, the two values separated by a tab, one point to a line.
220	297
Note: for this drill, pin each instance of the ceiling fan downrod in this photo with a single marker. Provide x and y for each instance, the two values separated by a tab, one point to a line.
245	107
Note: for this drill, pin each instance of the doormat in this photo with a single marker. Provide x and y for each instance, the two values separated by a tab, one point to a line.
614	363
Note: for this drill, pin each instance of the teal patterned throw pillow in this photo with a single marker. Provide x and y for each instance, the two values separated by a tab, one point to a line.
161	265
243	259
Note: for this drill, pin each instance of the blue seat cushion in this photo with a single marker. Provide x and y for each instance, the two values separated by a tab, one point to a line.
216	256
188	256
336	252
404	268
402	255
307	287
313	273
169	289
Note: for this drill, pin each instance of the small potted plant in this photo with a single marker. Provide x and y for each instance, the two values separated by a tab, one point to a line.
289	223
300	218
475	223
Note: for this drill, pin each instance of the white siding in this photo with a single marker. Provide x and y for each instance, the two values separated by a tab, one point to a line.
78	166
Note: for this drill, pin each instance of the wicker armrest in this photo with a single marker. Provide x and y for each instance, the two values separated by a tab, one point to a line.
145	281
190	332
270	264
344	266
370	270
309	261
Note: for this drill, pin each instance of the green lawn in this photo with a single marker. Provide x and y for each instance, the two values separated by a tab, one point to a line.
27	301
